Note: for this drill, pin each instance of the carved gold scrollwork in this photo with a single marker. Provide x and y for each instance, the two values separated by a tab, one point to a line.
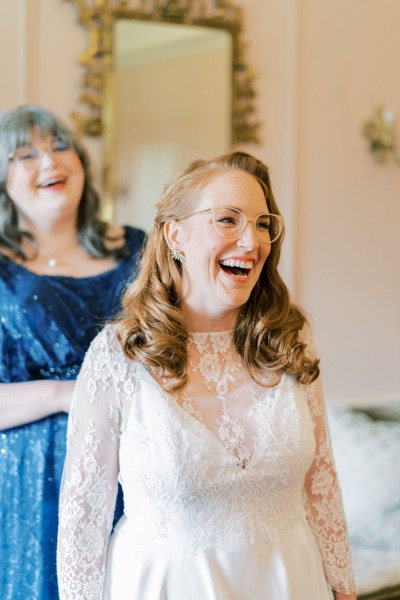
98	16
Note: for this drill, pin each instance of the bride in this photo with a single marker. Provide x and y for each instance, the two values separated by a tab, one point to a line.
204	400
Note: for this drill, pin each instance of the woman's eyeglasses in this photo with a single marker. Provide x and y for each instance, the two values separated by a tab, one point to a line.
230	222
30	155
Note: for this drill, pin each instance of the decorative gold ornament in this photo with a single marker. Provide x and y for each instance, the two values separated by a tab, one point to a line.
99	16
380	133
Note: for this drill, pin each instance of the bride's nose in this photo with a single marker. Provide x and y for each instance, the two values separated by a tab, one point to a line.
248	237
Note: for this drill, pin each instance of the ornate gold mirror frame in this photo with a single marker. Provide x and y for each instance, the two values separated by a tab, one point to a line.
99	17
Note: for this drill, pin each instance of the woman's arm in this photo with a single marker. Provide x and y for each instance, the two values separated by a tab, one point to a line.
28	401
323	503
89	485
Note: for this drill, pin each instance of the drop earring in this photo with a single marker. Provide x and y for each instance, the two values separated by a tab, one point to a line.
177	255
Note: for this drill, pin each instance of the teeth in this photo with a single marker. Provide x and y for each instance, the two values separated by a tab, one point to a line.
53	181
242	264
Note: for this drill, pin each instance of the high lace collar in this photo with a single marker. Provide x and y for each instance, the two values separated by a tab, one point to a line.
223	332
199	335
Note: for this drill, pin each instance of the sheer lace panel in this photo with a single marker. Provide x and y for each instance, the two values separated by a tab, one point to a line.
323	500
89	480
221	394
322	495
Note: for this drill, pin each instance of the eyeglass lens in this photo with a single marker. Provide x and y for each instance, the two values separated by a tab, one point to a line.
30	153
230	223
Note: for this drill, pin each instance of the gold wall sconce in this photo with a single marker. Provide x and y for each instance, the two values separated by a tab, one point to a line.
380	133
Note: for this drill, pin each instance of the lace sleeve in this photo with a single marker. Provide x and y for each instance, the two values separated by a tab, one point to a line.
89	484
323	500
322	495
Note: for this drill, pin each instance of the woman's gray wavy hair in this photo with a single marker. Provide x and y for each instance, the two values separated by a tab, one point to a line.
16	127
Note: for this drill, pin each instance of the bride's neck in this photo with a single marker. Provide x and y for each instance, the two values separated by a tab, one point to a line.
201	322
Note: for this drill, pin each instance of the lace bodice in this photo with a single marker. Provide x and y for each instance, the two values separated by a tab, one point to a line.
221	464
222	395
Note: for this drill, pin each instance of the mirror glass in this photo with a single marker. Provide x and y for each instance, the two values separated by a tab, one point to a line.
173	95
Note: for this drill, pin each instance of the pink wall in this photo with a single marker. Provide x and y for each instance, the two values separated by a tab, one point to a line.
322	68
348	251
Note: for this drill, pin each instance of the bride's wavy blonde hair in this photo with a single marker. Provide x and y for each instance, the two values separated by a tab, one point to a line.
151	328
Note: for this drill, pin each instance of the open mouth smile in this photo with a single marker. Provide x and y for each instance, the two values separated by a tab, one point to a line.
53	181
236	267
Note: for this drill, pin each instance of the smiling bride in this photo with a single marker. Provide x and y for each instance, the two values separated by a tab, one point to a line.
204	400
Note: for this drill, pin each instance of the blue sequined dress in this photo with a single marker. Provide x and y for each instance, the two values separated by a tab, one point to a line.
46	326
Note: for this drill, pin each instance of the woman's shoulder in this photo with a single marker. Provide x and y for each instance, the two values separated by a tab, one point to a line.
7	258
134	237
128	236
106	361
106	340
13	274
107	344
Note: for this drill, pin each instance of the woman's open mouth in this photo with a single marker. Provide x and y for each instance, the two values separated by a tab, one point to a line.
53	182
238	268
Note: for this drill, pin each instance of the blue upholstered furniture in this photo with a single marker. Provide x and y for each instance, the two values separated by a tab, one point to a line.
366	445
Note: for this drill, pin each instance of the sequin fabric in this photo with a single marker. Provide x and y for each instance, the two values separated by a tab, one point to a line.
46	326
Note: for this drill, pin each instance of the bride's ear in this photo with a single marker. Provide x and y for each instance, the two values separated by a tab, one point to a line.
175	235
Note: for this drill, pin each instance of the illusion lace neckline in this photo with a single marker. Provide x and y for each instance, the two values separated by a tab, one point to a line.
219	392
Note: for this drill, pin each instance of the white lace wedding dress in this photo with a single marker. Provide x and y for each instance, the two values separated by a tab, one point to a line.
230	489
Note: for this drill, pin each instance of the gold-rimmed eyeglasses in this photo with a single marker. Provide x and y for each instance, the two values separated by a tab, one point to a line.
230	222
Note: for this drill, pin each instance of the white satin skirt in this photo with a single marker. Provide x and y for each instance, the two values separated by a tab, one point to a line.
290	569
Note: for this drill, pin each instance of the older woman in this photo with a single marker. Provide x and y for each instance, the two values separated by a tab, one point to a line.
204	400
62	272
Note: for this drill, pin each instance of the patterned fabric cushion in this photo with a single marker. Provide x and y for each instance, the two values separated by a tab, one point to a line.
367	458
367	454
